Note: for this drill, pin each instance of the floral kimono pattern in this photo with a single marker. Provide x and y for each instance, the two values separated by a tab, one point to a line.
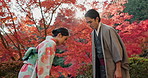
41	69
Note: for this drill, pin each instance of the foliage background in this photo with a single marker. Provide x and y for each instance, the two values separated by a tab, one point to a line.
20	29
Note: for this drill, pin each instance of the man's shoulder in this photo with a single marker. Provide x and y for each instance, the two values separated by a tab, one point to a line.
106	27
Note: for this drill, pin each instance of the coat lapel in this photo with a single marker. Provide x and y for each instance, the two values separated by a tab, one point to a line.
93	54
101	35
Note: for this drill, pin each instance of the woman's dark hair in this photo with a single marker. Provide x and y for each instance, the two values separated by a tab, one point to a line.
63	31
93	14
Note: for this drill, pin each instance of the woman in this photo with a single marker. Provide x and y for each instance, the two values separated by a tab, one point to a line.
45	55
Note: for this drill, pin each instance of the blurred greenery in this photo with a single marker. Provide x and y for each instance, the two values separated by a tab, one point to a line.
138	8
59	61
85	71
138	69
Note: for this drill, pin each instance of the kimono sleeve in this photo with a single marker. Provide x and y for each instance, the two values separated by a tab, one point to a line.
116	47
45	61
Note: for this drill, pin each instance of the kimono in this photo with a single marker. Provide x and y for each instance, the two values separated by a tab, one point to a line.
41	63
113	51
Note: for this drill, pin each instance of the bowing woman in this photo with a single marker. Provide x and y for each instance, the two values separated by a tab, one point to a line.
39	64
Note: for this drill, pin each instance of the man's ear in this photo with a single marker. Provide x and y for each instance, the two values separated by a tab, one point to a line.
59	35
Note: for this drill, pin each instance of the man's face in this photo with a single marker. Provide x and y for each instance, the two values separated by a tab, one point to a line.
93	23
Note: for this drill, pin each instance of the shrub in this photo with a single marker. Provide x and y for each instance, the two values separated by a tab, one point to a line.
138	67
85	71
10	69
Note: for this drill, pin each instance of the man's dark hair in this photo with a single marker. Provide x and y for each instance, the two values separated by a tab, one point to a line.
93	14
63	31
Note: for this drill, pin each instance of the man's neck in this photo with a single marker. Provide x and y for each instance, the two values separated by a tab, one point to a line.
98	29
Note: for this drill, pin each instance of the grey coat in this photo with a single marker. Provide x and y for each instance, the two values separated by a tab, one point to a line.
113	51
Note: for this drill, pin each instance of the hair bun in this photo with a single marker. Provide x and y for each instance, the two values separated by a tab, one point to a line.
54	31
63	31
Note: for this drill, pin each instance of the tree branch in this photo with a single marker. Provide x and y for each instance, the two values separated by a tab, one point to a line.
52	15
42	17
18	42
6	45
29	16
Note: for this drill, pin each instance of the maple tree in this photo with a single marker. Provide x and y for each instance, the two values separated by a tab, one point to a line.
79	38
133	34
25	31
29	32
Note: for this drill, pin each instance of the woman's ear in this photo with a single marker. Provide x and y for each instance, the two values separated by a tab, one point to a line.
97	18
59	35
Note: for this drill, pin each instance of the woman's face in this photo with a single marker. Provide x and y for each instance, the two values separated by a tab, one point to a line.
61	39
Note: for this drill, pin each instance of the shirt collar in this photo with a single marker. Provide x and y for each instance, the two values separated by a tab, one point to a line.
50	38
97	31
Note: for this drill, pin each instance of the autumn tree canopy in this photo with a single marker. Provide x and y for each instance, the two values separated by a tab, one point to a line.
21	28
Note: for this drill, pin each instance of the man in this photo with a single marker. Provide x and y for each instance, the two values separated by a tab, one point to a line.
110	59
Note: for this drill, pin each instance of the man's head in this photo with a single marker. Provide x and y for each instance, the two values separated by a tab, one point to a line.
92	18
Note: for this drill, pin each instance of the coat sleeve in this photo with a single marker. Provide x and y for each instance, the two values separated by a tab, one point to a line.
115	45
45	61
